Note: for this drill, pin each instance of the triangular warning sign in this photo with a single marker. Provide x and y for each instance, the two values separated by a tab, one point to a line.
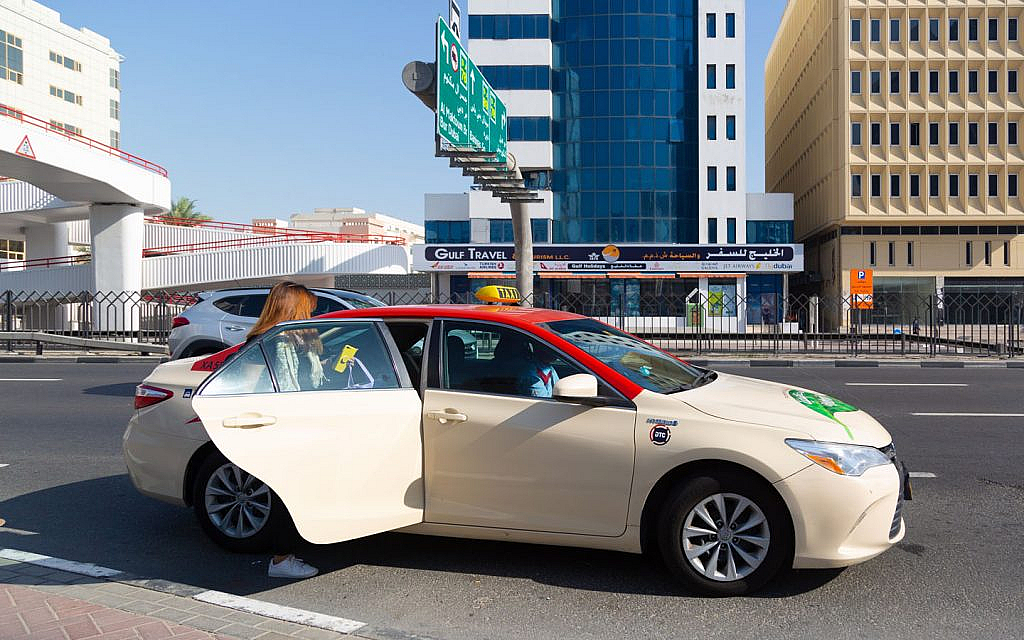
25	149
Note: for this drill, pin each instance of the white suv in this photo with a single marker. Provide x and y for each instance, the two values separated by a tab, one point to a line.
223	318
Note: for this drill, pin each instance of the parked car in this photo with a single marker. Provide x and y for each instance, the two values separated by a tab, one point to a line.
223	318
556	429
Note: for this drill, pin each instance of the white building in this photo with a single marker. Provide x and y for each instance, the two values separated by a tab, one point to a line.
355	221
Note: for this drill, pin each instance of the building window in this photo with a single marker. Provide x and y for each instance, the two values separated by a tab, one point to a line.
954	185
915	185
730	76
11	58
730	25
516	77
855	185
115	109
933	82
456	231
876	82
876	134
915	30
988	253
1006	253
972	82
993	185
769	231
1011	185
894	30
933	185
933	133
954	82
1011	81
954	30
894	82
993	81
64	127
730	230
712	230
712	21
910	254
1011	29
915	82
972	185
993	134
855	30
855	83
855	134
915	134
529	129
65	61
876	30
115	139
115	78
64	94
876	185
712	76
872	253
969	253
892	254
712	128
972	29
972	133
894	134
933	30
894	185
730	178
510	27
730	127
712	178
954	134
993	29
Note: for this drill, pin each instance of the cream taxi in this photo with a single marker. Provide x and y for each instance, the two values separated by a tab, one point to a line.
515	424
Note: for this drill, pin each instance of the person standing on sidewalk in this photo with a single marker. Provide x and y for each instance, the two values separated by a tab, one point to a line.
299	355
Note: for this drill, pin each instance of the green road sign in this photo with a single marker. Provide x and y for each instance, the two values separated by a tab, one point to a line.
469	113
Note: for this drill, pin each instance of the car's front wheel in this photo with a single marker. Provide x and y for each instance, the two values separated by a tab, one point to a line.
237	510
725	533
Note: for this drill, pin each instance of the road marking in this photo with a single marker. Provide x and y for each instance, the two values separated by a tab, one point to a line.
922	474
905	384
81	568
31	379
973	415
16	532
270	610
4	464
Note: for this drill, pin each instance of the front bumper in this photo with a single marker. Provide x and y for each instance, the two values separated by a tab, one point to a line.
842	520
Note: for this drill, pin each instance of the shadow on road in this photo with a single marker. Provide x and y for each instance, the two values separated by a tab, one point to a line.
121	389
107	522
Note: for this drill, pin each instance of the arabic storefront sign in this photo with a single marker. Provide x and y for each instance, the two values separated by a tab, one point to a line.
609	258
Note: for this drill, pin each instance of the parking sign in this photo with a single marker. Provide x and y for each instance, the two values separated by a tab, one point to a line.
862	289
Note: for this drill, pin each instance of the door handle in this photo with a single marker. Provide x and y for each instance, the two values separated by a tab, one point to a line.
448	415
248	421
232	327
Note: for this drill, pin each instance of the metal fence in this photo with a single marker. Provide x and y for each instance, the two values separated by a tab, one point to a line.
700	323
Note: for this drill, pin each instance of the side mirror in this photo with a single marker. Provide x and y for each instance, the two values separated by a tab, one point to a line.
578	387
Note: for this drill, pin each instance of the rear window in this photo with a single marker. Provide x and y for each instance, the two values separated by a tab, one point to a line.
246	306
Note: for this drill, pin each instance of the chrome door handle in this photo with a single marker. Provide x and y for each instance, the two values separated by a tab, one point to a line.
248	421
232	327
448	415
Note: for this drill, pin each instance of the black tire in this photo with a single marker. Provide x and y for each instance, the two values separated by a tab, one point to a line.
275	535
692	491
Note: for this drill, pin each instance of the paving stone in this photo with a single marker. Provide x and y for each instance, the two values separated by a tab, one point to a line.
241	631
206	623
312	633
273	635
281	626
245	617
172	615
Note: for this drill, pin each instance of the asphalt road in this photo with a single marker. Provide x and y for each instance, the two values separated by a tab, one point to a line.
958	573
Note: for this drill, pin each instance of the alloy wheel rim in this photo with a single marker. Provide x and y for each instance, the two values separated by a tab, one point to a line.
237	503
725	537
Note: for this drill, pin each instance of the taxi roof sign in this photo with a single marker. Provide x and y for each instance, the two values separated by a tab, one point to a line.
499	293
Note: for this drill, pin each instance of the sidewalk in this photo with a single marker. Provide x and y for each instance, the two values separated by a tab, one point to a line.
40	603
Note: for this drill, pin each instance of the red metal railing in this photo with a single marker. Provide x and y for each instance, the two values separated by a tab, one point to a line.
14	114
62	261
237	243
280	231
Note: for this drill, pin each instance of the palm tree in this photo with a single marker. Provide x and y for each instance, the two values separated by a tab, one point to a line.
184	212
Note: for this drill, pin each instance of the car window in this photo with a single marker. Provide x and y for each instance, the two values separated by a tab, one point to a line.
494	359
326	305
252	305
230	304
245	373
331	357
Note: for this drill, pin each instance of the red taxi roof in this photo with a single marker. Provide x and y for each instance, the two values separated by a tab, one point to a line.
520	316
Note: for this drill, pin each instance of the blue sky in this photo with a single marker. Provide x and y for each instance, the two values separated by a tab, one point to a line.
262	108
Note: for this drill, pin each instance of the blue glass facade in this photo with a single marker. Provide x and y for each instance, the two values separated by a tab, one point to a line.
532	128
509	27
501	231
624	84
517	77
446	231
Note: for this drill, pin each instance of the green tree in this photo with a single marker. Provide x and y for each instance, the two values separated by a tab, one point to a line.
183	211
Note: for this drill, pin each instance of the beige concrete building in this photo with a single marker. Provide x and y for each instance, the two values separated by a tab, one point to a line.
896	124
349	220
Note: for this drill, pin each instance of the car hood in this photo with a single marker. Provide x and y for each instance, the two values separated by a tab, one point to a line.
815	415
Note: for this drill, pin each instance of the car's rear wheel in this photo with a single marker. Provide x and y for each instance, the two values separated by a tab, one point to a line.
237	510
725	533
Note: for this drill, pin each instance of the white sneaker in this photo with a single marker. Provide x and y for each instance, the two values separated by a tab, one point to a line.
290	567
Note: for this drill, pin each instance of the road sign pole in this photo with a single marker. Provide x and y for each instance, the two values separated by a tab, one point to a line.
524	251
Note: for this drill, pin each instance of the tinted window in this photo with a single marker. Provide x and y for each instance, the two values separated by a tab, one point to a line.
231	304
252	305
326	305
331	357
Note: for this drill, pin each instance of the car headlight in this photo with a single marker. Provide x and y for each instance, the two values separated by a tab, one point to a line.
844	459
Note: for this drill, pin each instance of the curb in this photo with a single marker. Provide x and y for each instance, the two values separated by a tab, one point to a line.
923	364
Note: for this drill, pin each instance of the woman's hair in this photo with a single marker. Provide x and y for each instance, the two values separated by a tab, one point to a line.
287	301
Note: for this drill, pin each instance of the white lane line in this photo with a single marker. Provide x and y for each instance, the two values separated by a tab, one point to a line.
31	379
81	568
4	464
16	532
973	415
922	474
905	384
270	610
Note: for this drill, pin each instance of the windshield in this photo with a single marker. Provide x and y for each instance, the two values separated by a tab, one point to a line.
640	362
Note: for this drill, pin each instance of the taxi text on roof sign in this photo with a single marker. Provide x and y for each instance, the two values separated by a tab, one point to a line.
496	293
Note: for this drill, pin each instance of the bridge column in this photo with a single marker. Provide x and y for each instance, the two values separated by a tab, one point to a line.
46	240
48	313
117	238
